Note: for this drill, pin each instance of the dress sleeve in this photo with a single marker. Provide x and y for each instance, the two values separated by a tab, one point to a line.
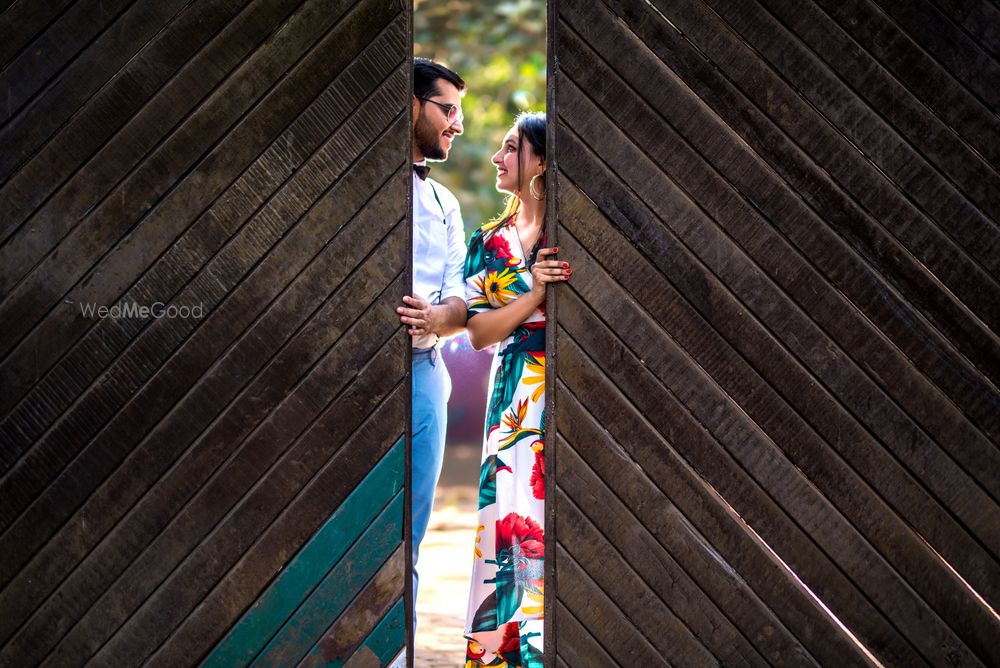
475	275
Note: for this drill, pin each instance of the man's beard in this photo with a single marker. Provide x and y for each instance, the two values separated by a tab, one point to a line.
427	140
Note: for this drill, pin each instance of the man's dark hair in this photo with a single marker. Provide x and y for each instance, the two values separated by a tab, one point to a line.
426	74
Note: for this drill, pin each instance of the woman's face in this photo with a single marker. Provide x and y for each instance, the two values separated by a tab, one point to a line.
507	162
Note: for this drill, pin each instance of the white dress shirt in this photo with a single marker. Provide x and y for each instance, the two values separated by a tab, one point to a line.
438	247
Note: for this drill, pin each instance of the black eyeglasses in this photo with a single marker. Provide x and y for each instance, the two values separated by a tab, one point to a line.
452	111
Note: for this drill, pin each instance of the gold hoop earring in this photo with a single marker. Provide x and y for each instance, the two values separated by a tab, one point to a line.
531	188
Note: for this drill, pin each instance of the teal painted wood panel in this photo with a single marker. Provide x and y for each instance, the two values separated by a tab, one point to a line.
384	643
387	639
332	596
285	595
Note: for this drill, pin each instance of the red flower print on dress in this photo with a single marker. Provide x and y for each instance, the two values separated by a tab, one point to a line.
500	248
522	533
537	481
511	640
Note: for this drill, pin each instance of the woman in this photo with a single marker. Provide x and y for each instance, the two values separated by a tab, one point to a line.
507	270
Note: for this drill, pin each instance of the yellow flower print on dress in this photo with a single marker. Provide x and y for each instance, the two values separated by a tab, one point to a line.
479	553
534	373
495	286
535	604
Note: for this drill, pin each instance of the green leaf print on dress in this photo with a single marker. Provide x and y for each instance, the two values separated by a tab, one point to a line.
488	480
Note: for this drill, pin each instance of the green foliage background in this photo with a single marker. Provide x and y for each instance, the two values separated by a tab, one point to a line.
499	49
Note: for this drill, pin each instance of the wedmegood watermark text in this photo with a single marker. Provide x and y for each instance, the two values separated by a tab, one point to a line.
135	310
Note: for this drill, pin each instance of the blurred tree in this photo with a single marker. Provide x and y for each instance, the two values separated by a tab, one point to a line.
499	49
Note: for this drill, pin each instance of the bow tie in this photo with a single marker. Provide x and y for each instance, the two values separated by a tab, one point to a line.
421	171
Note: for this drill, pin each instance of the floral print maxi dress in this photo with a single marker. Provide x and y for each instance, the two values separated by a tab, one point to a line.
504	621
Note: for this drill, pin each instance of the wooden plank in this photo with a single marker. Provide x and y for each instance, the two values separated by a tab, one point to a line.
283	596
760	597
221	607
901	405
373	622
850	63
881	303
21	21
161	588
213	336
599	613
242	157
136	202
870	146
238	310
843	569
27	130
198	410
804	339
936	355
98	345
979	18
771	388
866	540
385	642
806	559
591	499
783	223
638	599
925	78
959	55
335	592
52	50
123	121
578	646
246	419
882	173
225	272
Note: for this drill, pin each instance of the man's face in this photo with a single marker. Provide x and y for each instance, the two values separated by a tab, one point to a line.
433	134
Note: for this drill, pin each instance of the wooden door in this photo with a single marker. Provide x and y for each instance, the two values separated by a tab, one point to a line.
776	363
204	234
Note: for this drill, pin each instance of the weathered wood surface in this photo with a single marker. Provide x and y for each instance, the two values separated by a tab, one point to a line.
776	404
324	551
157	473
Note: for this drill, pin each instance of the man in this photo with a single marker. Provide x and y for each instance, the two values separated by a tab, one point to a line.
436	309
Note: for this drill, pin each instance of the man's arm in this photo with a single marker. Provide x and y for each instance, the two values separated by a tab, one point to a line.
444	319
453	285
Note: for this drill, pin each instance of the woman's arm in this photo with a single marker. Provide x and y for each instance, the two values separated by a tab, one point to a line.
495	325
492	326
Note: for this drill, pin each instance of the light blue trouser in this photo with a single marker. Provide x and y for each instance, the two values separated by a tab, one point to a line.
431	389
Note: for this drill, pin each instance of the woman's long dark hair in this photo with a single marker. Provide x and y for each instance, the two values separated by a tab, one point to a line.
531	128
